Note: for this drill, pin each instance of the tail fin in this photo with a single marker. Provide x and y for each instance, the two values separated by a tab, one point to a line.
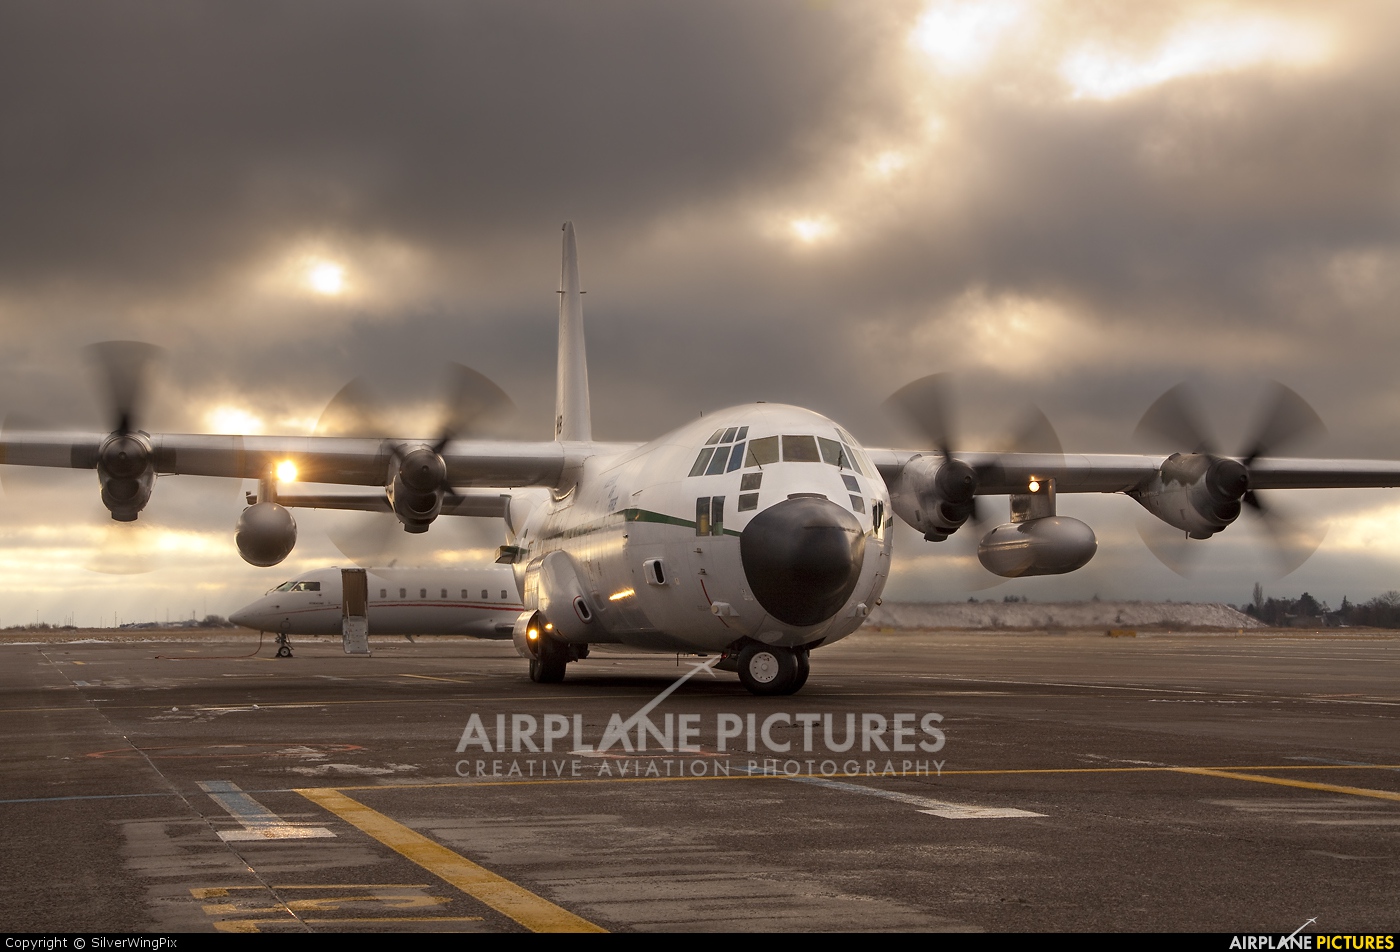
573	420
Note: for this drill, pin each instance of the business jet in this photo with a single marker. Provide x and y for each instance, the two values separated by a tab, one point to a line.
482	602
759	533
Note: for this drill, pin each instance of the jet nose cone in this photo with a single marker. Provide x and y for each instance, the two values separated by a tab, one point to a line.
802	558
245	617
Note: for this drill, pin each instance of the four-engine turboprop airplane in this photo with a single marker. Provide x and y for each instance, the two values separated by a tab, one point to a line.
760	532
482	601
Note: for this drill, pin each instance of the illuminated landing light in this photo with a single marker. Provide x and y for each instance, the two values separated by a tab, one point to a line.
1034	486
325	277
619	596
811	230
533	634
287	471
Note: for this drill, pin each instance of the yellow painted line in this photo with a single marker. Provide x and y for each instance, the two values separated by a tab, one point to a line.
533	912
1303	784
429	677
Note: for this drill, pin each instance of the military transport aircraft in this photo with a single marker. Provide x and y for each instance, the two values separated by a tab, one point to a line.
481	601
759	532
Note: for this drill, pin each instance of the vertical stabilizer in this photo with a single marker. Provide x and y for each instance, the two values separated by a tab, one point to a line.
573	419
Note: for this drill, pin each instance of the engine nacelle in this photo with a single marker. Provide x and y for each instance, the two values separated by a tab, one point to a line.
266	534
127	474
553	588
1197	493
934	495
417	488
1051	545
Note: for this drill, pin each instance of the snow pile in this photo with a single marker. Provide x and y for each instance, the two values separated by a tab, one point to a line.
1032	615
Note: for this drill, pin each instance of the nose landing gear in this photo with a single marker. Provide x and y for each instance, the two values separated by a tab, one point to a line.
284	645
767	670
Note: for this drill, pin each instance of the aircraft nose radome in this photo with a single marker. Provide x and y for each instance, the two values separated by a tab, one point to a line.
802	558
244	617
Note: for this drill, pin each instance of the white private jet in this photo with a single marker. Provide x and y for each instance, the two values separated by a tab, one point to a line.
482	602
760	532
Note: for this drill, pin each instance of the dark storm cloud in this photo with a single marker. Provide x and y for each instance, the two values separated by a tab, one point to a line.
153	143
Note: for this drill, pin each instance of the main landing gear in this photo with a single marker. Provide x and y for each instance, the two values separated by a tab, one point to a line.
551	657
768	670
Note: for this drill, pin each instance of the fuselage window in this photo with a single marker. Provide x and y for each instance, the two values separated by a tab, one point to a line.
858	504
464	594
762	451
403	593
877	519
748	501
702	516
422	593
750	481
383	593
800	449
851	482
444	593
717	516
484	595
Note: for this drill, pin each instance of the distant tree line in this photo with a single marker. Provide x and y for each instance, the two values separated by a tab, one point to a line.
1383	611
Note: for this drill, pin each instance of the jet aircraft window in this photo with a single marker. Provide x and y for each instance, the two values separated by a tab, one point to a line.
285	586
383	593
702	461
750	481
504	596
464	593
444	593
302	587
422	593
403	593
714	437
762	452
748	501
800	449
484	595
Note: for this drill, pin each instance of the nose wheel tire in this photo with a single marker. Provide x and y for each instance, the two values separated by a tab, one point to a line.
548	666
766	670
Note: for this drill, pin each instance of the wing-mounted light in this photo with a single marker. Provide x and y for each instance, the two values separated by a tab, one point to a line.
1037	541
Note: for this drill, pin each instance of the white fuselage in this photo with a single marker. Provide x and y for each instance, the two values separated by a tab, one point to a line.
482	602
588	559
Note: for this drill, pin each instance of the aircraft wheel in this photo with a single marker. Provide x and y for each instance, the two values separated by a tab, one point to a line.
804	668
549	665
284	652
766	670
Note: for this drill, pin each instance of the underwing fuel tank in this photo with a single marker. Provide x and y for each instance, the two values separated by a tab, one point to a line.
1052	545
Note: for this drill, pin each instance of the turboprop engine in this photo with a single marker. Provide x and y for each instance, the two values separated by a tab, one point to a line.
1197	493
934	495
1036	541
418	485
126	472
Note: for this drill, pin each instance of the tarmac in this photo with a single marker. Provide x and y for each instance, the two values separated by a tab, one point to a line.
920	781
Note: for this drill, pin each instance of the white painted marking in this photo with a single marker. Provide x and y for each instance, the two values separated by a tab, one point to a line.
259	823
942	808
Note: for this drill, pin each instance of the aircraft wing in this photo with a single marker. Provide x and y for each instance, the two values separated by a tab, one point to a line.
1006	473
480	505
318	459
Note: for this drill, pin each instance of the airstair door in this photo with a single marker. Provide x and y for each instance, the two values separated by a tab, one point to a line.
354	611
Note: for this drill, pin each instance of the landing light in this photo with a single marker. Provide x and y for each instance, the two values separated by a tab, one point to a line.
619	596
532	634
1034	486
287	471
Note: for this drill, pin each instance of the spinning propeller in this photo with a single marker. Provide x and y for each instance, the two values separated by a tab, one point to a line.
468	405
1285	418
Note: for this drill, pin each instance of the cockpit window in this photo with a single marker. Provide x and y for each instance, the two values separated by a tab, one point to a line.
714	437
702	461
834	453
762	451
724	458
800	449
285	586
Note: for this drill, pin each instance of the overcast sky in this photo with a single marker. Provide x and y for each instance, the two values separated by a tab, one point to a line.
1070	204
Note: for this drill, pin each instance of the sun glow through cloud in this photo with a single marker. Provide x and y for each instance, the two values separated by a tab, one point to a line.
325	277
1215	45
